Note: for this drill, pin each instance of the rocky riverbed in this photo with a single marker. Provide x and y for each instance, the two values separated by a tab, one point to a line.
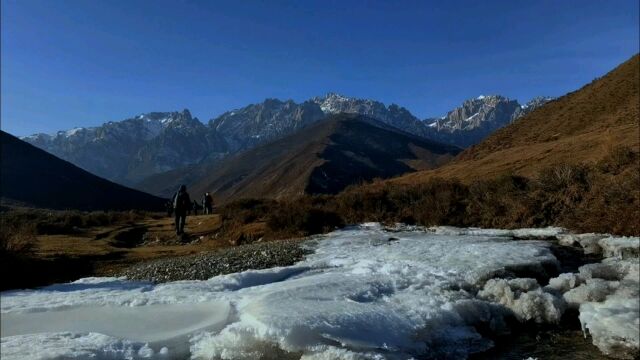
261	255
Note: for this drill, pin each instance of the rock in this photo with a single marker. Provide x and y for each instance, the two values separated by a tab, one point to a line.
208	264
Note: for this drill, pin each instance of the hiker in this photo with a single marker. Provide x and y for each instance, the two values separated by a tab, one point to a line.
181	205
207	204
195	207
169	207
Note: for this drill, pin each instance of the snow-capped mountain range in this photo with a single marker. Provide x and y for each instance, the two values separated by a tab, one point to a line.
130	150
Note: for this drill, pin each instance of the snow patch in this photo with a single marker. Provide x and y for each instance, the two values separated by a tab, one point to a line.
73	131
471	117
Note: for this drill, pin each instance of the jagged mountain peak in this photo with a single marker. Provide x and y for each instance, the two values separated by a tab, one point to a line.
257	123
486	100
333	96
478	117
334	103
165	117
537	102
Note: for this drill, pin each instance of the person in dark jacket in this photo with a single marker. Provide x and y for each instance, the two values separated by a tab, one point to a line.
195	207
207	204
169	207
181	205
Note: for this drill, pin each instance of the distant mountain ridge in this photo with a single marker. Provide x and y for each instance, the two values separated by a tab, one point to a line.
393	114
477	118
133	149
129	150
321	158
260	123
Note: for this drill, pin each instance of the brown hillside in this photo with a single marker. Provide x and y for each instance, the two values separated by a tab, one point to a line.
582	126
322	158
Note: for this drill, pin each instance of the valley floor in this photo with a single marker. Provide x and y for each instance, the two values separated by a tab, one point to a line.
72	252
364	292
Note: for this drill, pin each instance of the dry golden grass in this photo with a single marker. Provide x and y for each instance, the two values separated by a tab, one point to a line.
60	252
583	126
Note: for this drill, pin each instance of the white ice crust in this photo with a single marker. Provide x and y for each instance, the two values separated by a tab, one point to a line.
364	293
528	233
606	293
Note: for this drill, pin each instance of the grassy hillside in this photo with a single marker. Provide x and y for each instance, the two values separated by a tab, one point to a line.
582	126
322	158
574	162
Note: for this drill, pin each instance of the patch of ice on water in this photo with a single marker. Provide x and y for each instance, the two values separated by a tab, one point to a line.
589	242
565	282
607	293
525	298
622	247
532	233
66	345
614	325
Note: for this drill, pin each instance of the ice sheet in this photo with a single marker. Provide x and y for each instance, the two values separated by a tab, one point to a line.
530	233
606	293
363	293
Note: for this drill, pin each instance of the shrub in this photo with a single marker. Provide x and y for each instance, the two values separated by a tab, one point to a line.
301	219
70	221
501	202
246	211
618	159
16	239
612	205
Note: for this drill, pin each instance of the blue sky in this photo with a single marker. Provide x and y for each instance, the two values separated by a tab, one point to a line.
70	63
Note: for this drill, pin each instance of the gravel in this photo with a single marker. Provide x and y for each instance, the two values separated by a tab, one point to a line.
205	265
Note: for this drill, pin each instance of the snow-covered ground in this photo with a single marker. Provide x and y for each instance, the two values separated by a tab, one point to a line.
364	292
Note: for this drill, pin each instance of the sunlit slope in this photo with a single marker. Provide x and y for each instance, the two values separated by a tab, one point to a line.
584	125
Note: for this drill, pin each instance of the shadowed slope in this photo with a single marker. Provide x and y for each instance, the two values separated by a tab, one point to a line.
34	177
324	157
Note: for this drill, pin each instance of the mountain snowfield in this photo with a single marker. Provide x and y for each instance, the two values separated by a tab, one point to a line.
131	150
364	292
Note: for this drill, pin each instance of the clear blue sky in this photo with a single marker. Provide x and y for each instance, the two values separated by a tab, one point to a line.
70	63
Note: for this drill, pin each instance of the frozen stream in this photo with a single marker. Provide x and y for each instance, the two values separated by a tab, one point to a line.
364	292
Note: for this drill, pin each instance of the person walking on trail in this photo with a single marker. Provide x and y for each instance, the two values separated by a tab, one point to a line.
195	207
207	204
169	207
181	205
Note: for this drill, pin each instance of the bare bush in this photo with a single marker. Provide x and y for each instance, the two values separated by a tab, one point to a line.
17	239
